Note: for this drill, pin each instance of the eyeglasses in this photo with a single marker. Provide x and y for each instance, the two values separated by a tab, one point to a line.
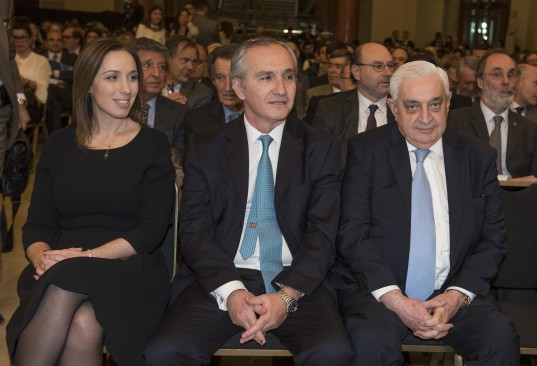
379	67
338	66
20	38
499	75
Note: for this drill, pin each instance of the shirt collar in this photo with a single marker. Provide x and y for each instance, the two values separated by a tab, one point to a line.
489	114
437	147
152	102
364	103
228	111
253	134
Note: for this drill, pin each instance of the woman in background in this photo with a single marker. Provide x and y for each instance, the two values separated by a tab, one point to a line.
184	25
100	208
153	25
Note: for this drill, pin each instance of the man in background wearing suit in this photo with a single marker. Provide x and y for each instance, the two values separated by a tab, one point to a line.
60	89
356	111
227	107
525	102
421	233
513	136
13	112
257	249
182	57
162	114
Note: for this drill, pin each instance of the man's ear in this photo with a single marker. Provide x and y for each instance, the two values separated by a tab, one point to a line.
355	69
237	87
393	107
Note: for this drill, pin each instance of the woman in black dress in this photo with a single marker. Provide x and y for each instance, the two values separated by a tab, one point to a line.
100	208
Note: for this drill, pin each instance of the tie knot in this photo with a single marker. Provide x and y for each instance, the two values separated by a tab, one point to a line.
519	110
265	140
498	120
373	108
421	154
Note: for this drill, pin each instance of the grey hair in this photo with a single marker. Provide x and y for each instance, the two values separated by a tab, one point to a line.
238	63
416	70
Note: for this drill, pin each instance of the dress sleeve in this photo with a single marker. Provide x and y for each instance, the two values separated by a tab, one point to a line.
155	215
43	215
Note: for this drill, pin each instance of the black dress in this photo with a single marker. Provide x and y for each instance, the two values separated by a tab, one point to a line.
81	199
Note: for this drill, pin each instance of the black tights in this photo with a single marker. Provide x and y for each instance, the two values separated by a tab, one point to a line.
63	331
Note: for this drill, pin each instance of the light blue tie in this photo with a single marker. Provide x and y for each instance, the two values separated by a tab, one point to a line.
232	116
262	222
422	258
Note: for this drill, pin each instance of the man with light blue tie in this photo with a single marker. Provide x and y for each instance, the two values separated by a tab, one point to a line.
258	223
421	233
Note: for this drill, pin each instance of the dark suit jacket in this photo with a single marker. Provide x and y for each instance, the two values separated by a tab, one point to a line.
197	94
215	189
208	116
169	118
66	59
531	113
459	101
339	115
374	234
521	156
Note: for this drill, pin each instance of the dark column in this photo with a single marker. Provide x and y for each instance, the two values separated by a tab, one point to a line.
346	20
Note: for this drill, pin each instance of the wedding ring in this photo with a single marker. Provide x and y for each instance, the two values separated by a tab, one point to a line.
45	266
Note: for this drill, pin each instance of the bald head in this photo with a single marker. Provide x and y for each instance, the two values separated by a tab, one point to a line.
372	68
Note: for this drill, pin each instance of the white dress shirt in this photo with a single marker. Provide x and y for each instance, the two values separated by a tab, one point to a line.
255	149
436	174
504	129
381	114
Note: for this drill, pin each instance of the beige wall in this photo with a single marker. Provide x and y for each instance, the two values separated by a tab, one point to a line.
78	5
526	37
389	15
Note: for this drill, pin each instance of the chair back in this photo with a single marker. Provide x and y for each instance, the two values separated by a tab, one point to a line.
519	267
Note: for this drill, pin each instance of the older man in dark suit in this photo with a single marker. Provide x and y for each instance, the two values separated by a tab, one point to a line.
258	222
513	136
227	107
353	111
421	234
161	113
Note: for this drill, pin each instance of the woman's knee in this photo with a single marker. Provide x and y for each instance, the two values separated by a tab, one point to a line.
85	329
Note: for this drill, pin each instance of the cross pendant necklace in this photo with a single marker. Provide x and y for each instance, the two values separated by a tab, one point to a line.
106	154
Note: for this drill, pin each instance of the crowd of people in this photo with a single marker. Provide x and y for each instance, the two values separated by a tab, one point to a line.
340	196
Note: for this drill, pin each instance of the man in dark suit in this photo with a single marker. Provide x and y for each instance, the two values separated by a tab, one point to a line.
229	182
182	56
162	114
525	102
421	232
208	28
227	107
352	112
60	89
517	136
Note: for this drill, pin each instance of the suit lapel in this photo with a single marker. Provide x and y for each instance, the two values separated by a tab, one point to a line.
514	134
290	156
477	120
400	165
453	161
236	151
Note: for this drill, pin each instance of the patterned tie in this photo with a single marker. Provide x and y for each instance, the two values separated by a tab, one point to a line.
232	116
262	222
519	110
371	120
422	257
495	141
55	57
145	112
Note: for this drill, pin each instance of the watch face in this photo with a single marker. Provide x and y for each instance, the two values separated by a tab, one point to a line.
293	306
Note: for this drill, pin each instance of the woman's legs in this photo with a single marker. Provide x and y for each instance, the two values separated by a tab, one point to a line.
42	341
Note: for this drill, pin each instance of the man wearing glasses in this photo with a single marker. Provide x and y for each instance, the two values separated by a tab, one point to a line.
72	39
182	61
513	136
352	112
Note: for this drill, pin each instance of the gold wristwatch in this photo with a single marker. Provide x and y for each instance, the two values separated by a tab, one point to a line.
22	102
292	304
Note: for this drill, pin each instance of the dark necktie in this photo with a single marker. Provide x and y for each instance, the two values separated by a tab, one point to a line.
55	57
262	222
145	113
422	256
519	110
371	120
495	141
